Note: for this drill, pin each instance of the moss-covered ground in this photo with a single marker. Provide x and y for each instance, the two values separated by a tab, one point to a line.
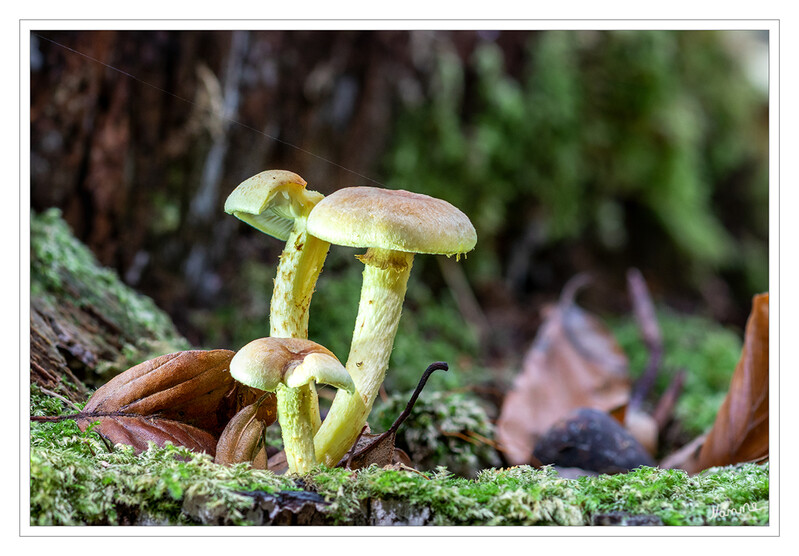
76	479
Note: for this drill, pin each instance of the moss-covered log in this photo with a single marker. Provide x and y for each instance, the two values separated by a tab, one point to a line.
78	481
85	324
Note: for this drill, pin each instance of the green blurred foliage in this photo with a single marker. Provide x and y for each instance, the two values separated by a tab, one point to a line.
431	328
601	131
705	350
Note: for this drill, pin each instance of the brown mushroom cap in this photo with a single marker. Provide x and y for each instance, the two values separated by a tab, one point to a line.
267	362
392	219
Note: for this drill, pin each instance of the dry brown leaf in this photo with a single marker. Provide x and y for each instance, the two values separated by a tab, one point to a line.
138	430
740	431
372	449
277	464
242	439
644	429
191	387
574	362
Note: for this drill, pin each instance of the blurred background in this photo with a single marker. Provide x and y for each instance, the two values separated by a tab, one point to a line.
571	151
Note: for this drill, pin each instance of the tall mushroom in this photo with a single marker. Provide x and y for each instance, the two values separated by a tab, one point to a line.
392	225
277	203
280	364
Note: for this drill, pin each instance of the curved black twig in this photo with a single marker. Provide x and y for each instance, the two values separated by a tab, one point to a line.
438	365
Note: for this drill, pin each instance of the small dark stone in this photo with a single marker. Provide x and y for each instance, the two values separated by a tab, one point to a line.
625	519
593	440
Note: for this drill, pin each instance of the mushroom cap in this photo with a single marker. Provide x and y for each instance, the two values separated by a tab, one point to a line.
267	362
392	219
271	201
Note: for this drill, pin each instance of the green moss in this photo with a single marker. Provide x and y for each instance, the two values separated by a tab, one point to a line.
680	499
528	496
77	480
707	351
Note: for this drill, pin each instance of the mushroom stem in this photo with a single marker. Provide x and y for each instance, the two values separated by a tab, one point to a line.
295	407
300	264
385	279
298	408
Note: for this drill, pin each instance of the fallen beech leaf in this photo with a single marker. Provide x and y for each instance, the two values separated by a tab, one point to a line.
740	431
242	439
574	362
138	430
192	387
376	449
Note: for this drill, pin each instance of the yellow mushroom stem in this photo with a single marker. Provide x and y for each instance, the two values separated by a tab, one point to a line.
385	279
298	408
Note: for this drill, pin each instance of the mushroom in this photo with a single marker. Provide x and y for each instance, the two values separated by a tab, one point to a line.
283	364
268	363
392	225
277	203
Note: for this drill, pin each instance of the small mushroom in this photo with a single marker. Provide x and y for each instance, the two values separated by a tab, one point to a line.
392	225
277	203
292	362
280	364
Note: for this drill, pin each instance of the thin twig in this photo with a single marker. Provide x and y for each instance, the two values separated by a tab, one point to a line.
646	318
60	397
439	365
483	439
456	434
90	415
665	406
467	303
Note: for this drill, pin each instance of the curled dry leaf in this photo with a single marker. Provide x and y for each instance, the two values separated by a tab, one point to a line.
740	431
372	449
191	387
574	362
138	430
242	439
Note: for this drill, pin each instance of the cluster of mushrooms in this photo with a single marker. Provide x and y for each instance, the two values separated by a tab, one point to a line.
392	225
